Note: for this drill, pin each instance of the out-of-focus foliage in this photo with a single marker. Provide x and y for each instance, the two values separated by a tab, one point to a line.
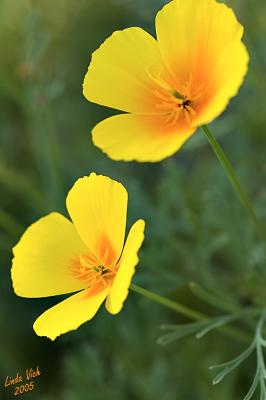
196	229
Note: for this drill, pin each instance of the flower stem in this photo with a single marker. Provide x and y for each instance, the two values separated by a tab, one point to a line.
177	307
195	315
227	166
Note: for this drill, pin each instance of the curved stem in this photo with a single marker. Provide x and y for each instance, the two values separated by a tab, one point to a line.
177	307
195	315
227	166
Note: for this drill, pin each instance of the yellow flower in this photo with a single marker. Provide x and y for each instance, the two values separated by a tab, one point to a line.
169	87
56	256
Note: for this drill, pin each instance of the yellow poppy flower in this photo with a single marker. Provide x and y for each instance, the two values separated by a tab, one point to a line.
167	87
56	256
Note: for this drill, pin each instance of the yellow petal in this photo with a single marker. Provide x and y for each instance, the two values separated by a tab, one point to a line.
69	314
209	56
226	78
98	208
143	138
129	260
43	256
192	34
119	73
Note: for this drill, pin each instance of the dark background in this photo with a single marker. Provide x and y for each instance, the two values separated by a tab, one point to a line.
196	229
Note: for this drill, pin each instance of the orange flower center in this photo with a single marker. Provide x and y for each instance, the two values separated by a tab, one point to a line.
96	271
176	103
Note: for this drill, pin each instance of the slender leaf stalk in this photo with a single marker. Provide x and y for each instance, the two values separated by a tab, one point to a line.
228	168
196	315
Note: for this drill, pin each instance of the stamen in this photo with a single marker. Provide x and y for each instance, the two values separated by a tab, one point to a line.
92	272
173	116
157	78
175	103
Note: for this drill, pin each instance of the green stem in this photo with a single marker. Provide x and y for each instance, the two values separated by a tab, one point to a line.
227	166
217	302
177	307
195	315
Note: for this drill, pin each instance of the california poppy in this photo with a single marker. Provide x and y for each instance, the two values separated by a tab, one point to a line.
56	256
167	87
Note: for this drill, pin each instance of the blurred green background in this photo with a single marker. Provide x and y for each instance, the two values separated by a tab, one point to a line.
196	229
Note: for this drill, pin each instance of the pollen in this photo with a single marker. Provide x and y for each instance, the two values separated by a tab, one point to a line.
97	271
95	276
176	103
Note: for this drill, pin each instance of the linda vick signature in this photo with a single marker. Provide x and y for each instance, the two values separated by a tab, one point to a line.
23	382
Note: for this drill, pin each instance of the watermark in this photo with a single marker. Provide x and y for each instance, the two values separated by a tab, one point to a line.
23	382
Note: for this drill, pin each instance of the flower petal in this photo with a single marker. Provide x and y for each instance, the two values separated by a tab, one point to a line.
98	208
192	34
118	75
69	314
224	82
43	256
126	270
139	137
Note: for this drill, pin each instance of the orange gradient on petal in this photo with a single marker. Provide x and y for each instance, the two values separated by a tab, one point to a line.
181	98
98	270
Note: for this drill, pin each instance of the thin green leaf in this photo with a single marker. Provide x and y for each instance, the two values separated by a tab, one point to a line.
215	324
253	386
